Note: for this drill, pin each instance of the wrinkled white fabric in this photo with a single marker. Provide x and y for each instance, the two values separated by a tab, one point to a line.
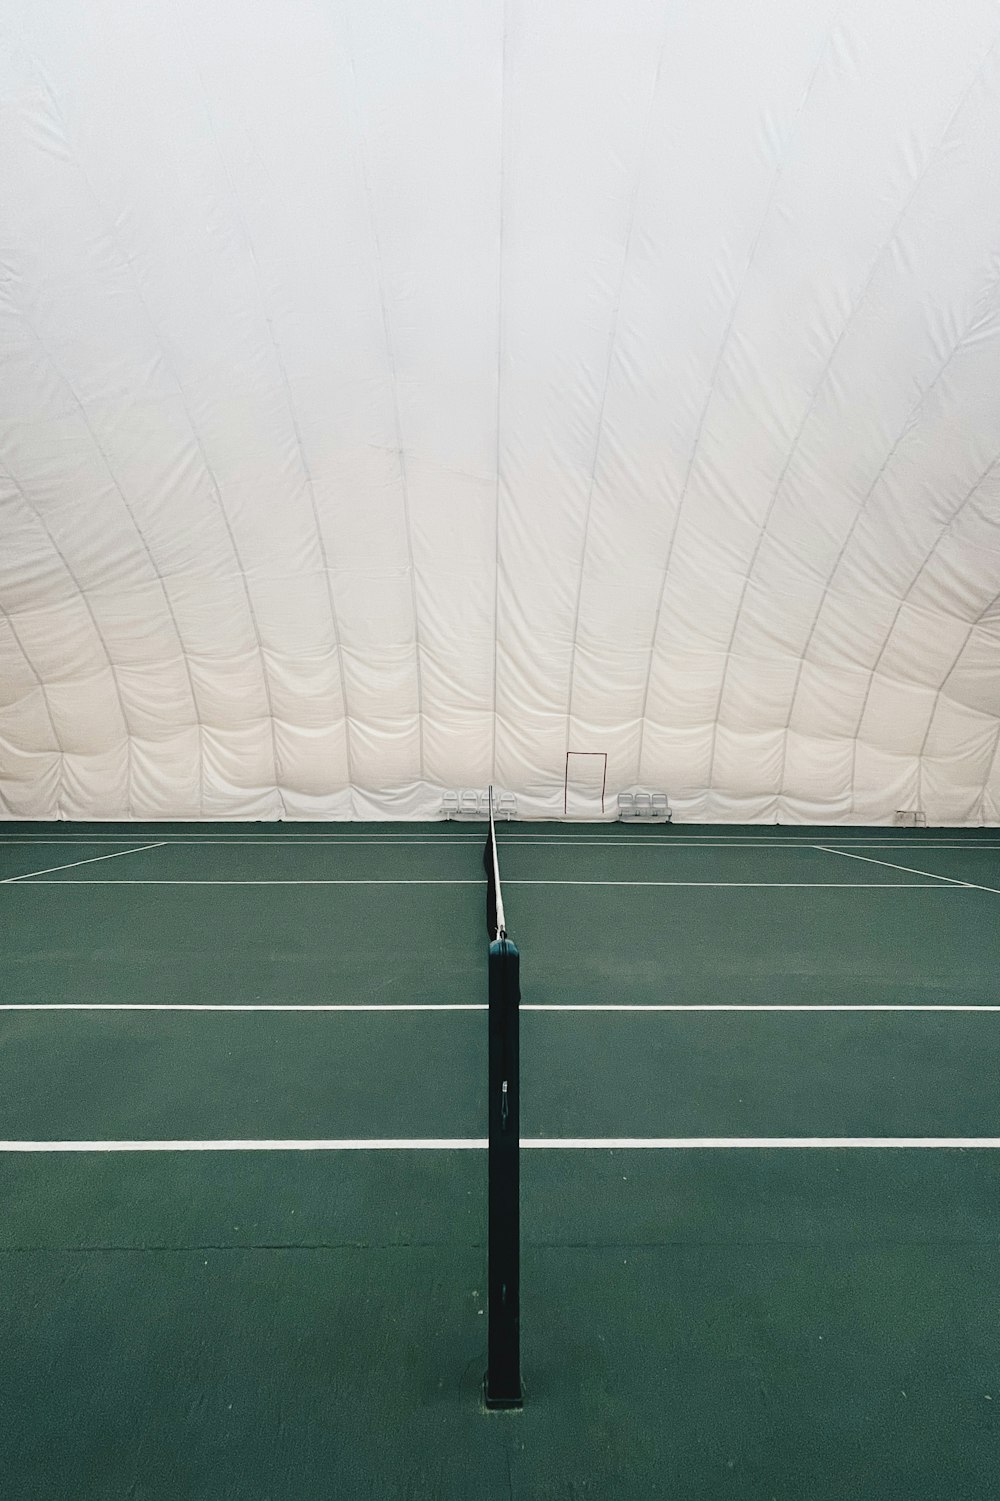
396	397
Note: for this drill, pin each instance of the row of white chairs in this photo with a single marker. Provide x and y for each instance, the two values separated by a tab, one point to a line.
652	805
469	802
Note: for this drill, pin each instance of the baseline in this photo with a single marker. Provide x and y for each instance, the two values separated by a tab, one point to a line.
530	1143
935	883
374	1006
627	841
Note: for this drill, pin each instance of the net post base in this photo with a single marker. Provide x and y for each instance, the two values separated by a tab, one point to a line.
499	1403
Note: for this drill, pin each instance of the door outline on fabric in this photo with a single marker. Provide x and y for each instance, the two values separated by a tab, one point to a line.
603	756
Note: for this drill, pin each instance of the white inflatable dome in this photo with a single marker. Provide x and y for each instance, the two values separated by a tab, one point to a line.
397	396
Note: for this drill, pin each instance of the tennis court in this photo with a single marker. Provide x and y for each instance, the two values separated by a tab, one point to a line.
243	1081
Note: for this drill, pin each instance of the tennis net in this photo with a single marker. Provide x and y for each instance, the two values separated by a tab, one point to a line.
502	1385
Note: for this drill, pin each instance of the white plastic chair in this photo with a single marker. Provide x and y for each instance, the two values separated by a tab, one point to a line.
449	804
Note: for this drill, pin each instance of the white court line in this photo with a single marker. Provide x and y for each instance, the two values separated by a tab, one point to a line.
779	885
263	882
248	1006
748	1006
360	1144
870	860
530	841
529	1143
318	840
759	1143
27	876
373	1006
936	883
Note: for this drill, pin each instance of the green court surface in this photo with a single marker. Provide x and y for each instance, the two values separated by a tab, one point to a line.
242	1108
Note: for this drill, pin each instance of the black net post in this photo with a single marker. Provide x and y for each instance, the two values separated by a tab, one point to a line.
502	1386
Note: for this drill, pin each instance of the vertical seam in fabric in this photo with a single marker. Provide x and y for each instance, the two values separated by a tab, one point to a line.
213	482
496	543
940	691
716	368
59	746
217	494
77	163
991	767
904	430
942	533
612	342
794	448
366	180
144	546
100	636
939	694
300	448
